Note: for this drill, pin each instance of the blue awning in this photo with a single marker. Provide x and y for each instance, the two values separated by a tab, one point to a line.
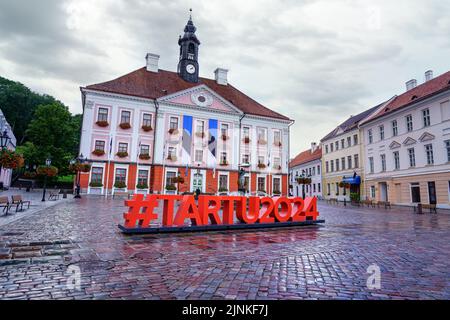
356	180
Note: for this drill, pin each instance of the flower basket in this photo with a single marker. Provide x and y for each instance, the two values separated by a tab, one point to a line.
83	167
200	134
171	187
125	126
120	185
29	175
261	166
49	171
276	192
122	154
223	190
102	123
224	163
225	137
142	186
263	142
11	160
147	128
173	131
246	140
344	185
98	152
178	180
95	184
172	158
144	156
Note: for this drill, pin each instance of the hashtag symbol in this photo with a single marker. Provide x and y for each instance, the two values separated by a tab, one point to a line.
140	212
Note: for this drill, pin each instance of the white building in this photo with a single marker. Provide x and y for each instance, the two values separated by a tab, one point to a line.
6	174
307	164
407	146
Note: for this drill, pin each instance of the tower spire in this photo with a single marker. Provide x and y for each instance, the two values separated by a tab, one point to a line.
188	62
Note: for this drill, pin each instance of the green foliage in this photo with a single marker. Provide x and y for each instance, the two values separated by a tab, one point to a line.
354	196
142	186
120	185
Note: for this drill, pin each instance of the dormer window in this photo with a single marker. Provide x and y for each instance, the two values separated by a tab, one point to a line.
414	98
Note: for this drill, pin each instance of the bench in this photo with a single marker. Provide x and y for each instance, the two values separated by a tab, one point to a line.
121	194
54	195
386	204
17	200
368	203
431	207
4	203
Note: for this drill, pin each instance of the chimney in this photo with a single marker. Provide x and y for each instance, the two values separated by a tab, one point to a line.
221	76
313	147
152	62
428	75
411	84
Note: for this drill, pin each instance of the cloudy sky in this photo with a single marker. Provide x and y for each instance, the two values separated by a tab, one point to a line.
317	62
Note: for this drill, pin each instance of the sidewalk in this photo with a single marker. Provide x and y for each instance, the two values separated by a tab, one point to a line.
35	196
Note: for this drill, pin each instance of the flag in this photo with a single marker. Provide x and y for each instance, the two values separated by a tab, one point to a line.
186	139
110	145
212	143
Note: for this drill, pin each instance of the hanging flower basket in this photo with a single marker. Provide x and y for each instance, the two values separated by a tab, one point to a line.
82	167
11	160
344	185
29	175
49	171
95	184
125	125
98	152
147	128
120	185
102	123
123	154
173	131
144	156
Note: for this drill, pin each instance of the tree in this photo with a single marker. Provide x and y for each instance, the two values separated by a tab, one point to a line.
53	132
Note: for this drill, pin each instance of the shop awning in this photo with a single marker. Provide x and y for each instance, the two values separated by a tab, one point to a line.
356	180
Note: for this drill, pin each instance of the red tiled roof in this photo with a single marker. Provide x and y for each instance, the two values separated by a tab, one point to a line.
154	85
423	91
305	157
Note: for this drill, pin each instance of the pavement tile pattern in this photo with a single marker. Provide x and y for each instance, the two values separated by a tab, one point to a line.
315	262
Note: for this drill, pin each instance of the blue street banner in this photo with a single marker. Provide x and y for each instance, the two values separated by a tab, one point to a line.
212	143
187	139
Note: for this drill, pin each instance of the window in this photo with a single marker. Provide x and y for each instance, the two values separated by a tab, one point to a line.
329	188
223	182
173	123
331	147
172	152
245	158
170	176
102	114
97	175
318	170
326	149
224	129
332	165
372	192
415	192
356	157
412	157
394	128
261	134
318	187
383	162
426	117
125	117
337	164
342	143
121	175
337	188
276	185
276	162
147	120
123	147
349	142
246	132
337	145
429	152
261	184
99	145
314	171
198	155
327	167
145	149
381	128
260	159
447	146
314	187
370	135
409	123
355	139
396	160
371	165
343	163
143	177
349	162
223	157
200	128
277	137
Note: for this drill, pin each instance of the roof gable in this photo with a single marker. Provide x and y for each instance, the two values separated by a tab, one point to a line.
409	141
426	136
394	145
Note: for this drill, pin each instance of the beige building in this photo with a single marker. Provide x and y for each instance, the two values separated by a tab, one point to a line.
341	159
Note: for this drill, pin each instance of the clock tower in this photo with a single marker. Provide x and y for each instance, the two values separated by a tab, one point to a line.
188	64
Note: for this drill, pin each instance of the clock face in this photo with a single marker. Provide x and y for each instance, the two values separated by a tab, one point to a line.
190	68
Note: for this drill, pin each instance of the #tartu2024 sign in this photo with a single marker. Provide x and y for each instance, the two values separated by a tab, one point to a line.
215	212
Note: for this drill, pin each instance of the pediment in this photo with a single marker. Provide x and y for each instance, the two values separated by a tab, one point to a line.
426	137
394	145
409	141
200	97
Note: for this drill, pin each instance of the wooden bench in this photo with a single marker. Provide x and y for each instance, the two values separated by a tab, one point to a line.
369	203
4	203
121	194
54	195
17	200
431	207
386	204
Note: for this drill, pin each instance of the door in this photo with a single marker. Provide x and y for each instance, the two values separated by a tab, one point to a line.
432	192
415	193
383	192
197	182
398	192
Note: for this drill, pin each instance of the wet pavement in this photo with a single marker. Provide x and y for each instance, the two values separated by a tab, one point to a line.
38	252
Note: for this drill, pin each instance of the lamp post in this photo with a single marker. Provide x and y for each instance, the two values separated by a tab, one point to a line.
4	140
48	163
80	160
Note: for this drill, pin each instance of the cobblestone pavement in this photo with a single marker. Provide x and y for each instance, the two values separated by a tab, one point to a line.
318	262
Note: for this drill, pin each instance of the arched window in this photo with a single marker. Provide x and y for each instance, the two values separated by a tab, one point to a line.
191	48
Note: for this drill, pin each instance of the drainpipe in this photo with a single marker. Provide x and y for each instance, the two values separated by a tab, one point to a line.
289	154
240	141
154	137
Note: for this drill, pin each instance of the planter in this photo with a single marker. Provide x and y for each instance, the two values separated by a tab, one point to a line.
246	140
102	123
29	175
120	185
178	180
49	171
261	166
147	128
11	160
172	158
276	193
224	163
173	131
122	154
125	126
98	153
144	157
96	185
171	188
225	138
82	167
223	190
142	186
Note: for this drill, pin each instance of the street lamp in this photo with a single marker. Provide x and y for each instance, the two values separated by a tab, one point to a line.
48	163
80	160
4	141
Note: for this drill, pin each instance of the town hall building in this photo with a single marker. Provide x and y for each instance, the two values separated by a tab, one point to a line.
158	131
